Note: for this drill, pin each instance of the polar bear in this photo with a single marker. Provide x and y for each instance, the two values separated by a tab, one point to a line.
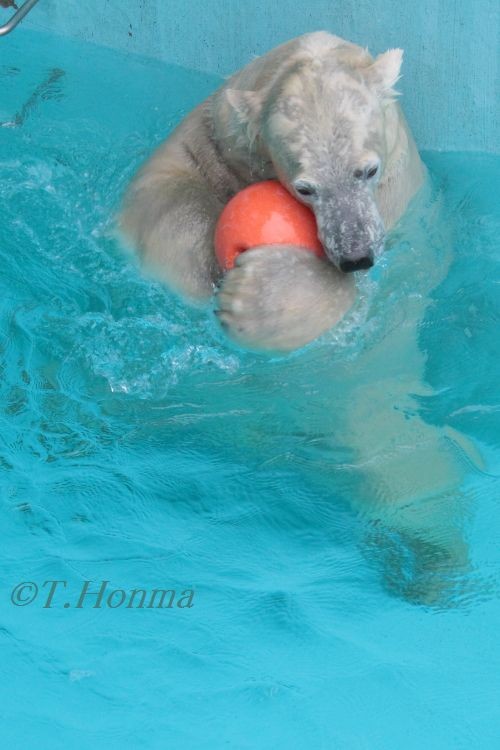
317	113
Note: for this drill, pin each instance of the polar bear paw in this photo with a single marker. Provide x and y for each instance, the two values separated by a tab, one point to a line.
279	297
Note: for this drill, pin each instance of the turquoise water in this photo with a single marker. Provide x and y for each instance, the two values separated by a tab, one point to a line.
345	583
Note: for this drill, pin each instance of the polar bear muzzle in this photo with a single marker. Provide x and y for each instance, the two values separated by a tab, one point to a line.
350	228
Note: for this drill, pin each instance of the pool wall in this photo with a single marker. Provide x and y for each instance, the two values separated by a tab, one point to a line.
451	70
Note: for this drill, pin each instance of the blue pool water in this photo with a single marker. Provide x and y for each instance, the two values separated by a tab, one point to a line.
334	511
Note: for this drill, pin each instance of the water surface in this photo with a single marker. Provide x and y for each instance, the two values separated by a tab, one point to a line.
141	448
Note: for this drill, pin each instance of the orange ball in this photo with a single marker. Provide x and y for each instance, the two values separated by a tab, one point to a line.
264	214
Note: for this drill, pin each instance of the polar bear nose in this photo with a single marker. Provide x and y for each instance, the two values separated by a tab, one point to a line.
359	264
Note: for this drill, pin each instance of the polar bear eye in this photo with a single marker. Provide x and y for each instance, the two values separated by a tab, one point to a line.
366	173
305	189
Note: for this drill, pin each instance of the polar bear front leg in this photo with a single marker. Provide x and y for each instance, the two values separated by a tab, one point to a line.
280	297
170	217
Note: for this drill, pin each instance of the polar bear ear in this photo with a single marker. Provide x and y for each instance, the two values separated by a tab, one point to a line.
384	72
247	104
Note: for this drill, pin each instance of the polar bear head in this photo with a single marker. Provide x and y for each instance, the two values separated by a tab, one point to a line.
323	123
